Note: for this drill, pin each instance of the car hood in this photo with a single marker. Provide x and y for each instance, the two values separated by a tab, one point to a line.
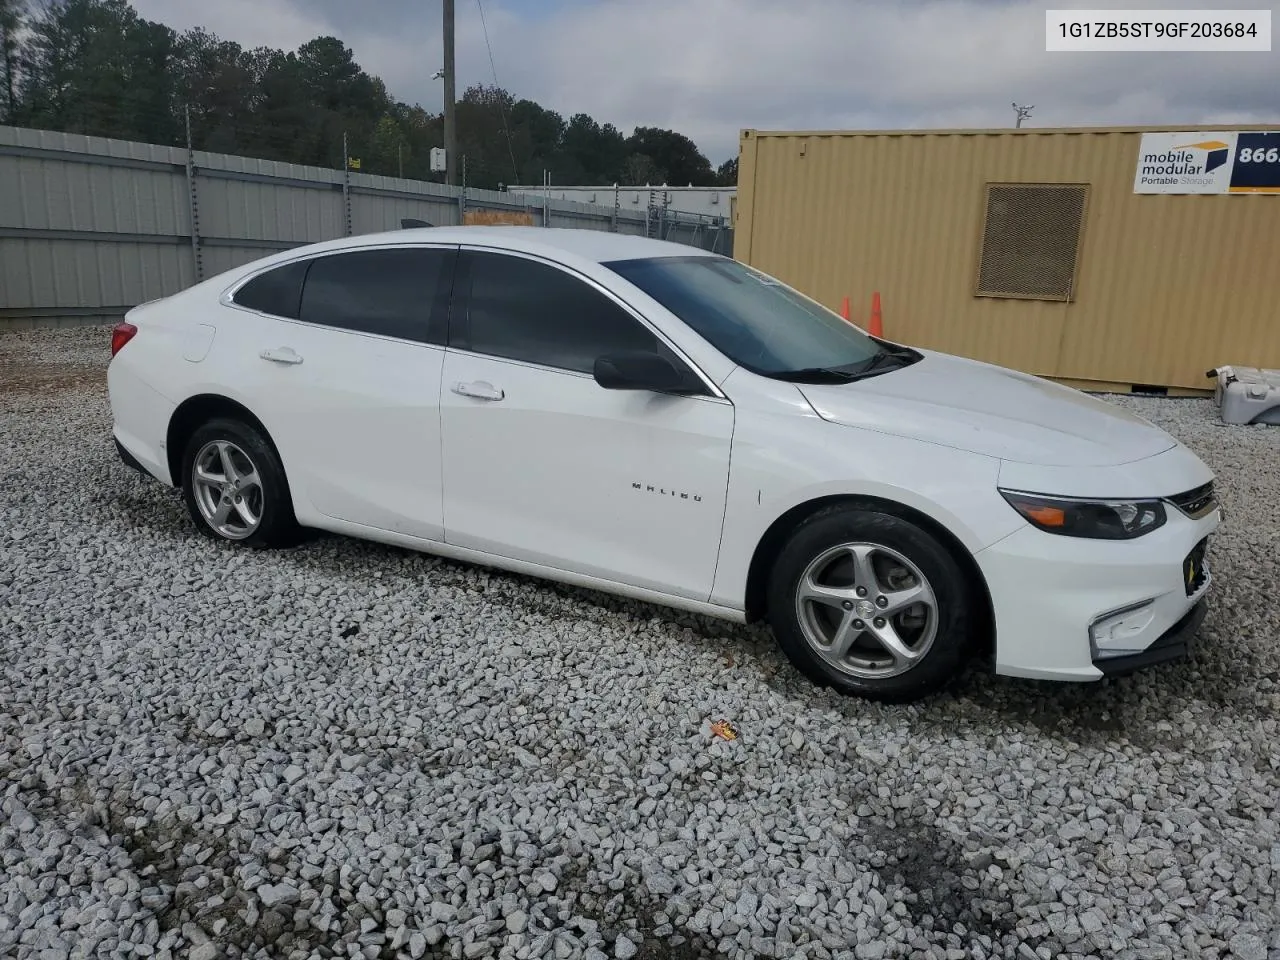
992	411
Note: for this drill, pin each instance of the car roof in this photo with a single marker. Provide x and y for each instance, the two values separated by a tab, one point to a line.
598	246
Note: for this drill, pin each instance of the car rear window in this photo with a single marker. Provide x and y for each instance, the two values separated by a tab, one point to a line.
277	292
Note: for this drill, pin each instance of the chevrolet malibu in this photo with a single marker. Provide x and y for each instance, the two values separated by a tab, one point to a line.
650	420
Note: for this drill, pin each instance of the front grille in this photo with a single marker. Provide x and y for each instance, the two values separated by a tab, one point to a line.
1196	503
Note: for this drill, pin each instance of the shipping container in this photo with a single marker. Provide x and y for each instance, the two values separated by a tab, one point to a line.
1074	253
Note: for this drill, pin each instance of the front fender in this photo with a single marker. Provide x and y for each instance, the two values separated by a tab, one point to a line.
785	456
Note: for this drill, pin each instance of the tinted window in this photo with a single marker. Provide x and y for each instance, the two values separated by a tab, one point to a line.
387	292
533	312
276	292
750	317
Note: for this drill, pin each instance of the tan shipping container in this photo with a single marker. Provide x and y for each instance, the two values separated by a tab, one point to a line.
1027	248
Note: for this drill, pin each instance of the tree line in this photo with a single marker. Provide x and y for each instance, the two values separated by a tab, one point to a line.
95	67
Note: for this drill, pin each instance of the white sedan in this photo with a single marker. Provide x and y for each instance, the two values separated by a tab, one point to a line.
651	420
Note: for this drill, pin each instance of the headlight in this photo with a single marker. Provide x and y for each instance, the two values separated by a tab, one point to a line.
1093	519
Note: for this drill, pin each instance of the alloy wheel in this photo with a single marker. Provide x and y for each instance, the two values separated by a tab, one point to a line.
867	610
228	489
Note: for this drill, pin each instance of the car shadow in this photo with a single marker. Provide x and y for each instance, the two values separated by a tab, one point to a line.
1146	709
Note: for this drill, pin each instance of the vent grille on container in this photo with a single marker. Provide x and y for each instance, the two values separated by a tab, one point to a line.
1031	240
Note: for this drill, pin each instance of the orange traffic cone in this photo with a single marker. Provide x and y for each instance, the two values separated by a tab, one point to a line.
844	308
877	324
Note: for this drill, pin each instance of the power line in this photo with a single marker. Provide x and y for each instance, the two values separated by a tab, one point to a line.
502	110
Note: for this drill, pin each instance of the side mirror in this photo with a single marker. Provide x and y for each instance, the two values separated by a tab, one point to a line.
645	371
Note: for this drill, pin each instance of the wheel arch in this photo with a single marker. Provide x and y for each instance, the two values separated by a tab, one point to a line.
197	410
775	537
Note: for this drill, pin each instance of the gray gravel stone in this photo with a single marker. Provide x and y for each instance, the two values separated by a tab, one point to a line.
547	881
443	912
1248	947
277	895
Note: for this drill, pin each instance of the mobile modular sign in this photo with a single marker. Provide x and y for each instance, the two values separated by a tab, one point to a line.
1217	162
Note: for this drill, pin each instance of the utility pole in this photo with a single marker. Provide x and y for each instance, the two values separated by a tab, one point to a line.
346	185
1023	112
193	200
450	122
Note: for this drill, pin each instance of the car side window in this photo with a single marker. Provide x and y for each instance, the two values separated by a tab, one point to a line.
390	292
277	292
524	310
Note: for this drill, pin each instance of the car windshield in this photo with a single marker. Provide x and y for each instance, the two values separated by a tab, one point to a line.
755	320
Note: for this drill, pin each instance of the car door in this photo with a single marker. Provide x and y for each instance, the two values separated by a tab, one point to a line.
351	385
544	465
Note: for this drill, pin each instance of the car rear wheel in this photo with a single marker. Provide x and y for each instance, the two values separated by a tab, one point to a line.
234	486
870	604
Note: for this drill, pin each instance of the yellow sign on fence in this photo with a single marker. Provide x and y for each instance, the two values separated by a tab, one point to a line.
518	218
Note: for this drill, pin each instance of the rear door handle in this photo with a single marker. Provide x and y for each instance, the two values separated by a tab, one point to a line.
280	355
480	390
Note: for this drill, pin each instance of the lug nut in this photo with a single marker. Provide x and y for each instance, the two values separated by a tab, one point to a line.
848	604
858	625
882	601
880	621
862	591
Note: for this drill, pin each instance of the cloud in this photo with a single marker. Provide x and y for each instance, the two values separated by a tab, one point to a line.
251	23
708	68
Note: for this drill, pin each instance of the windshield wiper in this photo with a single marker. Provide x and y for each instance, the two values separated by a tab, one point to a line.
889	357
816	375
880	360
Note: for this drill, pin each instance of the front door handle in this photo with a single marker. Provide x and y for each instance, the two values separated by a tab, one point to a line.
480	390
280	355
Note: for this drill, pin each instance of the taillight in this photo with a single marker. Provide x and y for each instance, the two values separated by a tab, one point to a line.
121	334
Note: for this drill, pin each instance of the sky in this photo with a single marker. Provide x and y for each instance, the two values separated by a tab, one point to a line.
709	68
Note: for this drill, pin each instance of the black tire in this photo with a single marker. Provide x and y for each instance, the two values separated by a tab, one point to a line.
953	617
276	526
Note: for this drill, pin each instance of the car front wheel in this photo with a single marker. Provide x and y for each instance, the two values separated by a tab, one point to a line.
234	486
870	604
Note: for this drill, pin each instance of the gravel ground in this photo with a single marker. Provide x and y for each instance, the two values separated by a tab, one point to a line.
352	750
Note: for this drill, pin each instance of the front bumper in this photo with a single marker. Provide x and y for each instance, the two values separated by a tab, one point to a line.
1075	609
1176	643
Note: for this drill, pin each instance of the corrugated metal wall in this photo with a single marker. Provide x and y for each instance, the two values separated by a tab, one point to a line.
706	201
1166	286
89	227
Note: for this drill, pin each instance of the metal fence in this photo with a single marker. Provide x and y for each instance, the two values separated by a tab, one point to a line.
90	227
696	230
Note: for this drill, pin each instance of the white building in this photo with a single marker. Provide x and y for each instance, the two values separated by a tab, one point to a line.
707	201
